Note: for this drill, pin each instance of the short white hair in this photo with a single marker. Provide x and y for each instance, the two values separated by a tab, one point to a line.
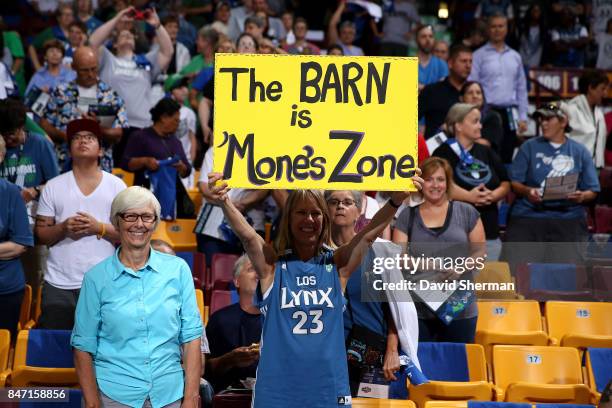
239	264
134	197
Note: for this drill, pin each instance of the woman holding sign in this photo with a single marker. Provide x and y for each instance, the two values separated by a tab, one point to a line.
301	281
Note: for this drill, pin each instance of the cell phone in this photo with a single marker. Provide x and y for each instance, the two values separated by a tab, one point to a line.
139	15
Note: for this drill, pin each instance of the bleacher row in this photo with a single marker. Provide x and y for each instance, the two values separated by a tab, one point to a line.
562	356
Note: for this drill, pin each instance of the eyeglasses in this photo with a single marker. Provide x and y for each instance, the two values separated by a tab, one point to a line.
88	137
133	217
347	202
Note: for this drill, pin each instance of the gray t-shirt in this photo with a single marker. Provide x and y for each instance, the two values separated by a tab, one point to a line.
399	22
132	79
461	219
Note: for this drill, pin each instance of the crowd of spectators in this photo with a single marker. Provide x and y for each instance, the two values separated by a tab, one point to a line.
108	84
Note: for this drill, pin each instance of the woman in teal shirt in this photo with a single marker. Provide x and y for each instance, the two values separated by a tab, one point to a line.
136	310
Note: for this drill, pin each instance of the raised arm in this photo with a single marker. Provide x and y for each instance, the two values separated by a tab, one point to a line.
332	28
99	36
349	256
261	254
166	48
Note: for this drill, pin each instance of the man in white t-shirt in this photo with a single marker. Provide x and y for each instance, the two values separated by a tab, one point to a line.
73	220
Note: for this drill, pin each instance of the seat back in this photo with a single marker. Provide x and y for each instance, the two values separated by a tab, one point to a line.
5	346
603	219
26	307
200	299
602	282
220	299
182	237
509	316
452	361
44	348
536	364
222	268
584	318
498	272
381	403
599	368
126	176
553	281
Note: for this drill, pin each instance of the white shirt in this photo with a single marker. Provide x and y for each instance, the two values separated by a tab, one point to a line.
61	198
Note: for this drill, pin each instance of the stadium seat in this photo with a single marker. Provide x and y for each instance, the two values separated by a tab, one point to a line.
181	235
580	324
5	348
603	219
26	307
446	404
605	181
196	197
552	281
126	176
381	403
498	272
219	299
598	369
199	267
539	374
509	322
602	283
456	372
200	300
222	269
43	357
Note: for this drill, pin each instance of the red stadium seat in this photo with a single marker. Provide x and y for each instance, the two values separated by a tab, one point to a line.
220	299
603	219
602	283
221	270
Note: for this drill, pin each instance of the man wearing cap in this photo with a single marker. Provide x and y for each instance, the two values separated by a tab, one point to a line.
539	217
85	97
73	220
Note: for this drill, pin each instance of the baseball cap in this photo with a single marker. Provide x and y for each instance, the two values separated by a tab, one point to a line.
80	125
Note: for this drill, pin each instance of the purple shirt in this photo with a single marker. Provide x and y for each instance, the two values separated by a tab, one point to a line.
502	77
147	143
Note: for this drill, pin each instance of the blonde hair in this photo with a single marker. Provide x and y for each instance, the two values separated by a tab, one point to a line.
284	240
457	114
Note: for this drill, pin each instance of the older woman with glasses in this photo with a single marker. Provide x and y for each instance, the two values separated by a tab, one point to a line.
136	310
370	330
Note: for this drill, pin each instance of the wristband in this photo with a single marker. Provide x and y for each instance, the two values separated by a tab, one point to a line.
396	206
103	232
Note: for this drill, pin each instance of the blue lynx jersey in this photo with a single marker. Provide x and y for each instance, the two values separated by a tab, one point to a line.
303	357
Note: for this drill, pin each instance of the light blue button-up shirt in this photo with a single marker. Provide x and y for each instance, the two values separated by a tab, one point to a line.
133	323
502	77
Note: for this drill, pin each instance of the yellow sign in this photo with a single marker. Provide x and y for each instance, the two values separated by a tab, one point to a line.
315	122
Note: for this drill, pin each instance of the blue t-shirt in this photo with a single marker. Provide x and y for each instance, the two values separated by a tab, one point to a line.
538	159
366	312
435	71
205	75
303	356
31	164
14	227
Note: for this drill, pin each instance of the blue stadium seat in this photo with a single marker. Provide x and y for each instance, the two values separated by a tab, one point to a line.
456	372
598	369
43	357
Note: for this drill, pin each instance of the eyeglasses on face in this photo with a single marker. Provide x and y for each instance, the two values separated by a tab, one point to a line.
133	217
346	202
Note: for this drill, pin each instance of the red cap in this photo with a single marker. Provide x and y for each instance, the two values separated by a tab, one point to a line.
80	125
